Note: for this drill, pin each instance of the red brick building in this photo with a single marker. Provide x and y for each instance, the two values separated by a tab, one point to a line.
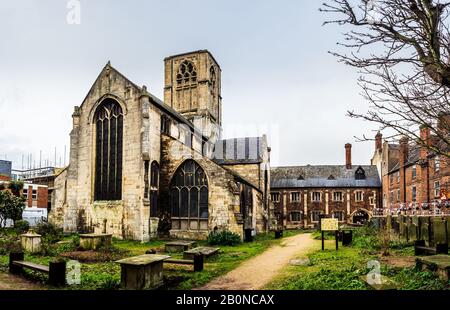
36	195
414	179
301	194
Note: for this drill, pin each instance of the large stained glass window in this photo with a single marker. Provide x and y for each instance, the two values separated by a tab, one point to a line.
108	156
189	197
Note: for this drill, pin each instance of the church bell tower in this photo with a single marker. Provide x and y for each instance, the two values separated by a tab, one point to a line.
192	87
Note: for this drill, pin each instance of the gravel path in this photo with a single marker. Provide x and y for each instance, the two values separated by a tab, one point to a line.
10	282
257	272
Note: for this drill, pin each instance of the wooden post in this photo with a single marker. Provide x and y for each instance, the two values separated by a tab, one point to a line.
323	240
57	273
198	262
336	233
15	257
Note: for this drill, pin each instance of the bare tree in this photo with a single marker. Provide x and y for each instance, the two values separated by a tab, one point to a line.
402	50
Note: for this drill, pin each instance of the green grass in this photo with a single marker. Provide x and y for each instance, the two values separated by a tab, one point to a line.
106	275
328	270
341	270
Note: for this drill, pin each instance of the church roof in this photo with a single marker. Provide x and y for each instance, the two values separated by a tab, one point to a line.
323	176
248	150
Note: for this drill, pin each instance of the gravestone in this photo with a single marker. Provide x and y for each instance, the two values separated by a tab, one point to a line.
95	241
142	272
412	231
424	228
179	246
31	242
439	231
438	264
447	220
203	250
153	228
403	228
388	223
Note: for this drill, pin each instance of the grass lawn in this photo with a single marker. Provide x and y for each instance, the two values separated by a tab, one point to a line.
106	275
341	270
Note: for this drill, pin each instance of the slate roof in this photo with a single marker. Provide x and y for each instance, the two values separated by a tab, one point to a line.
248	150
323	176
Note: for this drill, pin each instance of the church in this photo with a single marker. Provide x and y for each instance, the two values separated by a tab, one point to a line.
141	167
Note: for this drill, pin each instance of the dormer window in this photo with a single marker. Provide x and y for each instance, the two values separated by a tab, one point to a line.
360	174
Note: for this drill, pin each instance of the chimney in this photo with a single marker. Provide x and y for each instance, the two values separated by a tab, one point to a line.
378	141
348	156
404	151
425	137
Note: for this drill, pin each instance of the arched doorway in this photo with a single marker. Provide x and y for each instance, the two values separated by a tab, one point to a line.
360	217
189	197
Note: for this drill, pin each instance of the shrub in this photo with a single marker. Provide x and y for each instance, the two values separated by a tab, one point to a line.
9	244
49	232
367	238
224	238
21	226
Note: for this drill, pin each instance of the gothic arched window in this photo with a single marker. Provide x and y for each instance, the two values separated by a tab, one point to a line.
189	197
187	74
108	120
154	186
212	74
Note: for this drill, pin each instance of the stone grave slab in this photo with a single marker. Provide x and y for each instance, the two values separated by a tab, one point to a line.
438	264
203	250
385	283
142	272
95	241
179	246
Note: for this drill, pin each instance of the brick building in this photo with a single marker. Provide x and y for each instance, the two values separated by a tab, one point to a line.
301	194
140	165
43	176
414	179
36	195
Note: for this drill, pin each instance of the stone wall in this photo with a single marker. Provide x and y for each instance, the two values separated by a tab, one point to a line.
224	200
123	218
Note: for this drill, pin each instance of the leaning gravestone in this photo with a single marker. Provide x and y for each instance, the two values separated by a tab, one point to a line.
439	230
412	231
447	221
403	227
424	228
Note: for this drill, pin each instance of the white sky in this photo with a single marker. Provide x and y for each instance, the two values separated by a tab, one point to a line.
277	76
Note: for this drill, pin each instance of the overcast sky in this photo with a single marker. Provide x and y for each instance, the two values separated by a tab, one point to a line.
277	76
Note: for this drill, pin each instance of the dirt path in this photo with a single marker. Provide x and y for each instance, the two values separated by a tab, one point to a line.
10	282
258	271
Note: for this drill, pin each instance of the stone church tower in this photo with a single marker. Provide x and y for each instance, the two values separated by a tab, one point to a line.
192	87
